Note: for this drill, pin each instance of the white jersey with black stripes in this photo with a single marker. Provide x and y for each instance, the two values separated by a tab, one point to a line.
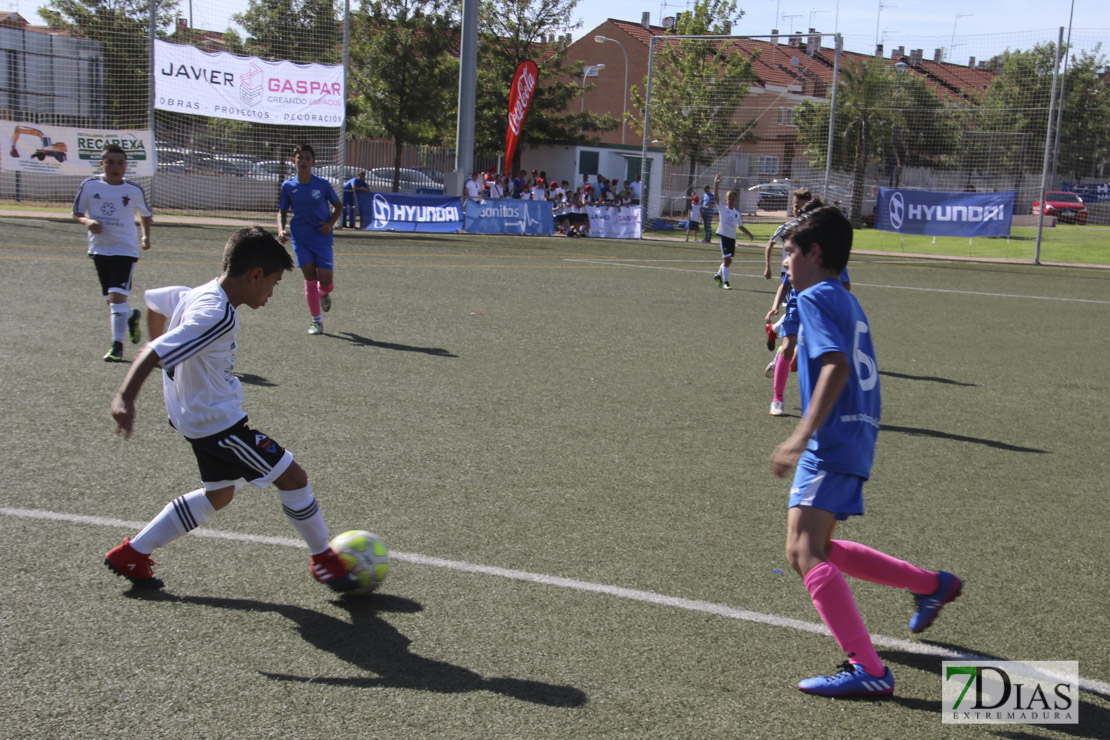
202	394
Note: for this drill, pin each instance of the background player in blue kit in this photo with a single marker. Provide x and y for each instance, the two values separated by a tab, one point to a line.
351	189
316	208
204	402
832	448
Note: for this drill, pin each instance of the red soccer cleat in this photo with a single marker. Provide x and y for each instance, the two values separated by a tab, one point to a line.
329	569
133	565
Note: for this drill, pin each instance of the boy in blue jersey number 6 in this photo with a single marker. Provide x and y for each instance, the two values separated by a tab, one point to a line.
832	449
309	197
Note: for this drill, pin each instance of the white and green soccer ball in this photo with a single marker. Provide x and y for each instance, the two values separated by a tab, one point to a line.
366	556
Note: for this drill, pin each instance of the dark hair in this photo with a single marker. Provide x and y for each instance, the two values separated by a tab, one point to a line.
251	247
304	148
802	195
826	226
811	205
112	149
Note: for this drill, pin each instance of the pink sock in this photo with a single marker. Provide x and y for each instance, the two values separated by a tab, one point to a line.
312	293
782	372
325	289
833	600
868	564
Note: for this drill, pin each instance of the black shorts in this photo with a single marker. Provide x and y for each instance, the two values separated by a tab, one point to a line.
114	273
728	246
239	454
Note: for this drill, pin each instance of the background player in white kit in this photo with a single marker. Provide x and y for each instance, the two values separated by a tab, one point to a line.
204	402
106	206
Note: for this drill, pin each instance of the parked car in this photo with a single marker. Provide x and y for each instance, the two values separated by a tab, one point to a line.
411	181
272	169
1063	205
773	196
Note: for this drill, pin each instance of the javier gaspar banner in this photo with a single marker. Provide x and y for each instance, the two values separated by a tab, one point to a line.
941	213
222	85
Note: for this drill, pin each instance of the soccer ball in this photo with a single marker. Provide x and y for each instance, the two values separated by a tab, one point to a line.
365	555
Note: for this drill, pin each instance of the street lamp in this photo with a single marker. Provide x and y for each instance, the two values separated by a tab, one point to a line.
899	69
590	70
624	112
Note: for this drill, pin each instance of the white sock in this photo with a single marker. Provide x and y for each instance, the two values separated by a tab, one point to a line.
182	515
303	513
121	312
724	273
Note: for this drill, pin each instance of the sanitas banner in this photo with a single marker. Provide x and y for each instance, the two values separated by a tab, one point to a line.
222	85
429	213
509	216
612	222
59	150
940	213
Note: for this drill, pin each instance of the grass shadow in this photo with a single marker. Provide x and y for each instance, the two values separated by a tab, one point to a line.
372	644
252	379
918	432
362	341
930	378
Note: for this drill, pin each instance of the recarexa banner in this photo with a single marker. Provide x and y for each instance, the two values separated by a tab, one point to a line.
60	150
940	213
509	216
222	85
430	213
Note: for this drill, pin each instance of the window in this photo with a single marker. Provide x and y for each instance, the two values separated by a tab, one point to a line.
588	162
786	116
768	165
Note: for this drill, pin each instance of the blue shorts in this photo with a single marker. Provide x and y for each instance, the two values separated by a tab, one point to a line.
790	321
314	252
838	493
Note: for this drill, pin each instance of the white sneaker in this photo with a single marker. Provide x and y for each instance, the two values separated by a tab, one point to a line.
777	409
770	371
316	328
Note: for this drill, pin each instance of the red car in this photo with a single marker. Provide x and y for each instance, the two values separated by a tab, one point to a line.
1064	206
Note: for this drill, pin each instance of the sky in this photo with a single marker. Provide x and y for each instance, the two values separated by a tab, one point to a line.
925	25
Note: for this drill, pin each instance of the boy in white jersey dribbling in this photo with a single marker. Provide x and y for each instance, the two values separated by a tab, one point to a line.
106	207
832	449
204	399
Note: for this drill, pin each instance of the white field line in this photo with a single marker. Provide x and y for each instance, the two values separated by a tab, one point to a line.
648	597
643	266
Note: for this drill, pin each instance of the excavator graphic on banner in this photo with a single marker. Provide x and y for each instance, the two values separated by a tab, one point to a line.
48	149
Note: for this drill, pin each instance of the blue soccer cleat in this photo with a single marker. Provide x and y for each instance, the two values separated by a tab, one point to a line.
928	605
849	680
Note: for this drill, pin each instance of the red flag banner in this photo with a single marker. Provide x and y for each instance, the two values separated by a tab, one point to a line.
520	97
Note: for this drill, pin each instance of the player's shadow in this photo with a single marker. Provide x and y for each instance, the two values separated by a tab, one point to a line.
919	432
1094	720
252	379
372	644
362	341
929	378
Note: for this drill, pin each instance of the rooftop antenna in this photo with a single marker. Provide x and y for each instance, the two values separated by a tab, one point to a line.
878	16
792	17
952	43
813	13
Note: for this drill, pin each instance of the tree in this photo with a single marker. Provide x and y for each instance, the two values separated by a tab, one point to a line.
402	73
512	31
302	31
123	26
697	85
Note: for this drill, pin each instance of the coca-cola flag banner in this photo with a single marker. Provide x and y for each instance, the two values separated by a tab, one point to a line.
520	97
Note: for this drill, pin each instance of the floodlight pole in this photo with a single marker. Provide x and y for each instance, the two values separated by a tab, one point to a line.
1047	146
832	114
624	112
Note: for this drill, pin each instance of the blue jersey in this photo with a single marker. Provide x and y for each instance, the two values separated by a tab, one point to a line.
310	203
832	321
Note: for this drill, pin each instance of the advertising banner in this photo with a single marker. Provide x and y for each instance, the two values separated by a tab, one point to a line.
940	213
612	222
428	213
222	85
509	216
520	97
1089	193
58	150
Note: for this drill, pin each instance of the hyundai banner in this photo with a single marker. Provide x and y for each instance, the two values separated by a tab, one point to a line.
222	85
59	150
430	213
939	213
612	222
509	216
